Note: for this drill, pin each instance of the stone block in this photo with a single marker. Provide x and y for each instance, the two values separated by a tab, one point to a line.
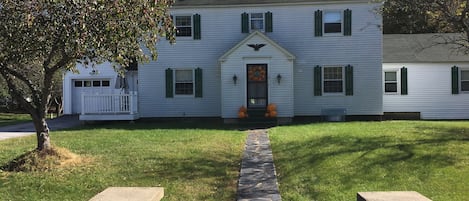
130	194
391	196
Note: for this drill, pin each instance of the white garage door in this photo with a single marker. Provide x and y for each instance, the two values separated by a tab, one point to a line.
90	86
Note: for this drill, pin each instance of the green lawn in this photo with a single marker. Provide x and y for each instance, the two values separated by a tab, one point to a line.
190	163
334	161
10	118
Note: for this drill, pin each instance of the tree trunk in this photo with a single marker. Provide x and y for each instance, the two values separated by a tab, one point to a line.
42	133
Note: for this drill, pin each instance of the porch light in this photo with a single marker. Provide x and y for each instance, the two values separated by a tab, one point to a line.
279	78
94	72
235	79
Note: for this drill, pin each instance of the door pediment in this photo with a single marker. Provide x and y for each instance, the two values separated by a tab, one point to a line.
257	45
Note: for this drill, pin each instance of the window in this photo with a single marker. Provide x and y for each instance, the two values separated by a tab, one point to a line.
92	83
79	83
257	21
184	82
332	22
465	80
96	83
183	25
106	83
390	82
333	80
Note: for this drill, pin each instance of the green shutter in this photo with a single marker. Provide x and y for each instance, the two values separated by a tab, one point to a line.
455	80
404	81
169	83
349	80
198	83
197	30
318	23
245	23
268	22
317	81
347	22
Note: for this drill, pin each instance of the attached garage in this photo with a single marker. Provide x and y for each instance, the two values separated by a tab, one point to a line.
87	86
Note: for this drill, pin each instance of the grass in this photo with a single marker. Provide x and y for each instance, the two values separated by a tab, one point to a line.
334	161
192	163
11	118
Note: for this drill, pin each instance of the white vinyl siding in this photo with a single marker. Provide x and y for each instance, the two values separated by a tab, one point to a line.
363	51
429	87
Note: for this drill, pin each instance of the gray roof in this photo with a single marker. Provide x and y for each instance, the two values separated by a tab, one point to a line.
398	48
242	2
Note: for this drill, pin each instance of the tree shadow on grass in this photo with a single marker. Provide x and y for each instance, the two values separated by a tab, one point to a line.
351	160
214	177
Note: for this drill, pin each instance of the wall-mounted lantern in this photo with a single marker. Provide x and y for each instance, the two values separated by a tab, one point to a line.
279	78
94	72
235	79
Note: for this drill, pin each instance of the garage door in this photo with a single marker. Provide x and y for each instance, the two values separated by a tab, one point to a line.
94	86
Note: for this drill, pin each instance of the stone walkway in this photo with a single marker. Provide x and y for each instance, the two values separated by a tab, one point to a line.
257	179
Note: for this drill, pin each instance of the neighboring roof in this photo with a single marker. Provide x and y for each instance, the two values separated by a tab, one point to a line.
418	48
243	2
264	37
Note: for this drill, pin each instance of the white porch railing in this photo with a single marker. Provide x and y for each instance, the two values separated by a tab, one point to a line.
109	103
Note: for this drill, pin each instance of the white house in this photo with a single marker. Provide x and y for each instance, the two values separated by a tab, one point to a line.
424	77
309	57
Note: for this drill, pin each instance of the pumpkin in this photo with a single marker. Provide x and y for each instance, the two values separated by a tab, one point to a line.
271	107
241	115
243	109
273	113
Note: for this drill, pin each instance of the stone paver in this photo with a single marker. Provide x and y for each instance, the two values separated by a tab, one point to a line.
130	194
258	181
391	196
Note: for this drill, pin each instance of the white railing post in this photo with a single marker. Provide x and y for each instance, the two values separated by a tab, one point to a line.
82	103
131	103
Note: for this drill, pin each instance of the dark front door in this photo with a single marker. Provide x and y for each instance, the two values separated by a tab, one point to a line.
257	85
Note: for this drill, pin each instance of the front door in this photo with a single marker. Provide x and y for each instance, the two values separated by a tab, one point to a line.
257	85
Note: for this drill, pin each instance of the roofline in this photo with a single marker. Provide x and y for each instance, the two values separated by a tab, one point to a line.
324	2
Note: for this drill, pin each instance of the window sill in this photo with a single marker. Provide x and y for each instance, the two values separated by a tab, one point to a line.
183	96
392	93
333	34
333	94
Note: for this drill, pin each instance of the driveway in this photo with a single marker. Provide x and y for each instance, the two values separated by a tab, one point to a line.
18	130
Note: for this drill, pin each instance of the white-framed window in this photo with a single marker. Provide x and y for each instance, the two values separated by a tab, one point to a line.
332	22
184	82
183	25
333	79
391	83
256	21
465	80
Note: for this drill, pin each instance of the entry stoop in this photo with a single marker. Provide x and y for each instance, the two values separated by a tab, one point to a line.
391	196
130	194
